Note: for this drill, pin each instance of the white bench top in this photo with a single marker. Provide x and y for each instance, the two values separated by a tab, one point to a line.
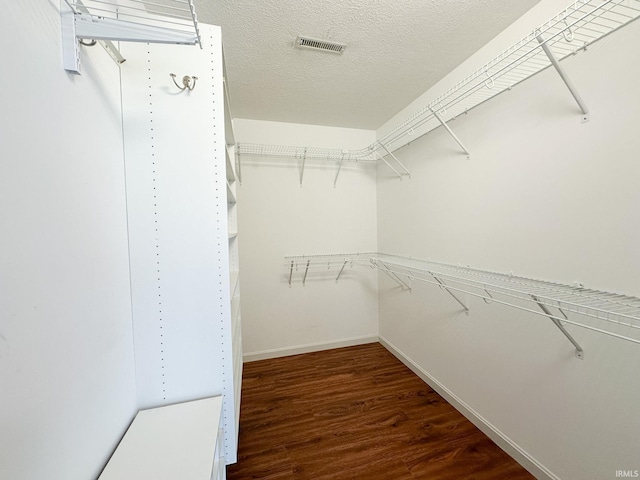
172	442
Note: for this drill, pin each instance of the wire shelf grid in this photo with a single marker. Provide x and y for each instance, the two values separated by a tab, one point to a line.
283	151
329	260
611	314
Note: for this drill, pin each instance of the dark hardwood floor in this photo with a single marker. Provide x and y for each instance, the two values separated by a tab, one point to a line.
356	413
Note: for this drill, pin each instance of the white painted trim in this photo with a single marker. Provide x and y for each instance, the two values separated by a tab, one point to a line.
311	347
503	441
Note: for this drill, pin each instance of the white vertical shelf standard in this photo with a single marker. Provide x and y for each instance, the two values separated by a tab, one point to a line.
178	227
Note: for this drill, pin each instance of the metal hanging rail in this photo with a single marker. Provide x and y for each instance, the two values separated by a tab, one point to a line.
152	21
570	31
603	312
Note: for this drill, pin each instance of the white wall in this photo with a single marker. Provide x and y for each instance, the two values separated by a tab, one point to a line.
67	389
278	217
543	196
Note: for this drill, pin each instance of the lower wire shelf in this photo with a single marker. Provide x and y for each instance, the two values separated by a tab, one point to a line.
603	312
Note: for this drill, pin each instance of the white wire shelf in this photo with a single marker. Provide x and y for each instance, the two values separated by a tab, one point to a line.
302	154
176	18
152	21
283	151
304	263
573	29
603	312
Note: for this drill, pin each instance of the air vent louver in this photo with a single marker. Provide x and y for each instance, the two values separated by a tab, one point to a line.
324	45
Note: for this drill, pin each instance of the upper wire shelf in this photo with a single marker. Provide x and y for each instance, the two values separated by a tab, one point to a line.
603	312
573	29
149	21
176	17
261	150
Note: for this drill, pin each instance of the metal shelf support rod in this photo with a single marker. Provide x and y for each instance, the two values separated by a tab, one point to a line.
305	273
395	158
445	287
389	165
304	159
393	276
444	124
335	180
340	272
291	273
556	322
564	76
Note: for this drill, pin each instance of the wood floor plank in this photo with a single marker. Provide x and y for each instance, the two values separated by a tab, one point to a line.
356	413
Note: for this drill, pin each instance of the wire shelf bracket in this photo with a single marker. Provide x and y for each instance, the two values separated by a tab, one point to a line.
406	172
444	287
602	312
304	161
448	129
381	157
306	271
335	180
557	323
346	260
394	276
149	21
565	78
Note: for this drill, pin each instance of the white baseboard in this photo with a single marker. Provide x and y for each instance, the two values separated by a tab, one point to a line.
311	347
504	442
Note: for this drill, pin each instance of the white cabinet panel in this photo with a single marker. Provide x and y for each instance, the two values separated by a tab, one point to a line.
175	153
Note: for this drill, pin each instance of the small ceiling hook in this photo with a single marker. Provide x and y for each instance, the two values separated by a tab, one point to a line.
186	82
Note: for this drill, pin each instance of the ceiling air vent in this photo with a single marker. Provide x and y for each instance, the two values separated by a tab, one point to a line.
324	45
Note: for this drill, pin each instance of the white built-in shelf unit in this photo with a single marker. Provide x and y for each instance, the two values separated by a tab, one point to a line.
603	312
570	31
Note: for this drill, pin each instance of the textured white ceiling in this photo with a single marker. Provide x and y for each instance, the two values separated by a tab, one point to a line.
395	51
